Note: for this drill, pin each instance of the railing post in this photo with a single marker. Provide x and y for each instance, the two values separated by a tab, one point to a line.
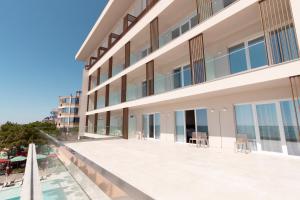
31	188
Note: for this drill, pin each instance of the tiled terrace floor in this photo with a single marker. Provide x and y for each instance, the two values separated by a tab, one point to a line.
177	171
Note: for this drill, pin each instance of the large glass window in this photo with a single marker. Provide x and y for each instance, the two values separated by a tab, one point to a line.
237	58
177	78
157	125
145	125
151	125
268	127
101	125
74	110
185	27
201	120
245	123
187	75
257	52
144	88
290	127
179	126
75	100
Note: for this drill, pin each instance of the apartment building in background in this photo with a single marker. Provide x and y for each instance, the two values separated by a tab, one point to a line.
68	112
168	68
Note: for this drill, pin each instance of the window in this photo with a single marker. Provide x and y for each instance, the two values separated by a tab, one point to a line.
248	55
177	78
257	52
74	120
291	131
228	2
244	120
75	100
74	110
144	88
65	110
182	76
237	58
187	75
194	21
185	27
151	125
175	33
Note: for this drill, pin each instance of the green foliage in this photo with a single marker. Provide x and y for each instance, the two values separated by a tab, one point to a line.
15	135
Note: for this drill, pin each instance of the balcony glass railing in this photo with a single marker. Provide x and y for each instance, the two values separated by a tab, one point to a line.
190	21
242	57
139	54
100	102
178	29
135	91
114	98
117	69
179	78
103	77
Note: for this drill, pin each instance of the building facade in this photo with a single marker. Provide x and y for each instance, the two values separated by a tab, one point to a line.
168	68
68	112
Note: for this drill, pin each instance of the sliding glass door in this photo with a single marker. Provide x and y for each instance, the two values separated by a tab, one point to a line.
180	126
189	121
291	130
151	126
268	127
245	123
271	126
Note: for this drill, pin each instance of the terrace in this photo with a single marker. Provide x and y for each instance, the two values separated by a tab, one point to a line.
179	171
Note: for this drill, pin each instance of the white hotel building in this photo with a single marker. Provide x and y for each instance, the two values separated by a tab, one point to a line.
168	68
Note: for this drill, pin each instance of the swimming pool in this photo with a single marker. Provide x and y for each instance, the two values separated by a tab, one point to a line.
58	185
61	185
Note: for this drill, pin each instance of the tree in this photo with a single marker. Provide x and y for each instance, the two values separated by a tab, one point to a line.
15	135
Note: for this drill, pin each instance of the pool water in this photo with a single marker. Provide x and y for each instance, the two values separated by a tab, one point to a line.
61	185
12	193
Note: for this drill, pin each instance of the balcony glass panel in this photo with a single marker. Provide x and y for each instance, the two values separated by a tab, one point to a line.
237	58
101	125
117	69
257	52
191	21
138	55
180	77
114	98
115	128
242	57
134	91
103	77
100	102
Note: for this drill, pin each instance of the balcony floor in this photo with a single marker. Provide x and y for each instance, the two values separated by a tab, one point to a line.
179	171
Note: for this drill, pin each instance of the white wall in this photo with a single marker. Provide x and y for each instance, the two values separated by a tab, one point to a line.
216	103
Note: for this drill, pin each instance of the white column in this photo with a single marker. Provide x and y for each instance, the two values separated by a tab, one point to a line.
83	102
295	6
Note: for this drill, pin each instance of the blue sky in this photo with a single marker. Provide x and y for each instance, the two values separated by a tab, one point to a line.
38	43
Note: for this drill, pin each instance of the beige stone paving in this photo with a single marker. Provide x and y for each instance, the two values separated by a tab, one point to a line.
179	171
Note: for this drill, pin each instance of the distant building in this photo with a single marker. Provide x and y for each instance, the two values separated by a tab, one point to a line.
53	117
67	114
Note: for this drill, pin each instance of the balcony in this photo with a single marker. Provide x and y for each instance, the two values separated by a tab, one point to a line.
115	93
136	84
131	17
186	17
